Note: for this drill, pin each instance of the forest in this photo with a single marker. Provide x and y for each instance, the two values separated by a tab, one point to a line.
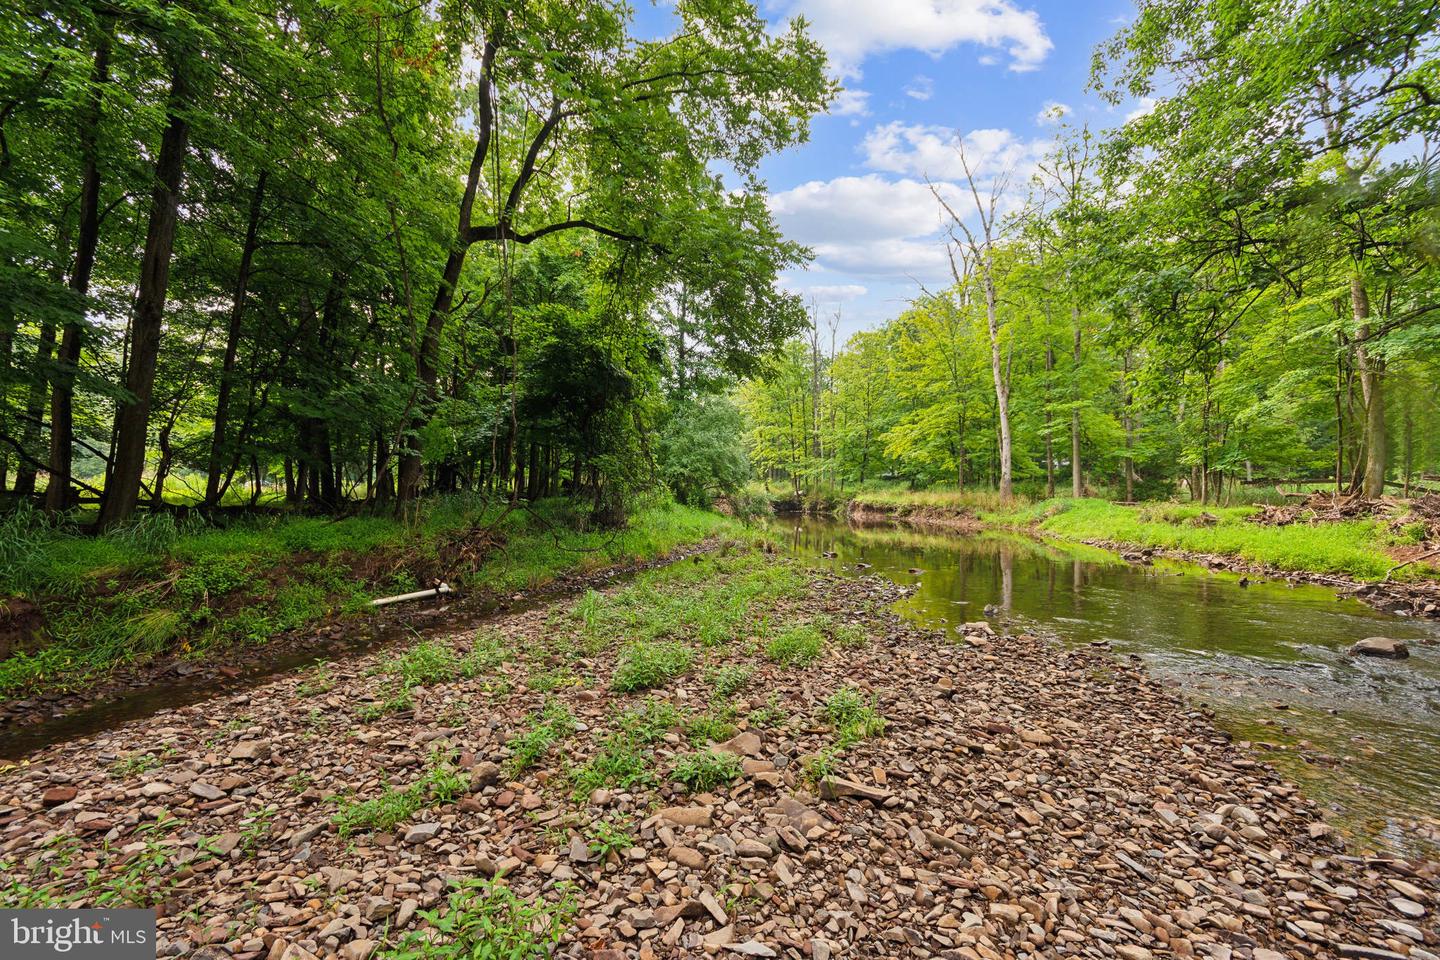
336	254
1236	287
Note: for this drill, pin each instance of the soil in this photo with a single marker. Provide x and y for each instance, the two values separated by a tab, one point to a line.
1022	800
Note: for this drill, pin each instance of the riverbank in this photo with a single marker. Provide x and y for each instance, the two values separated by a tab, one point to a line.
82	617
730	755
1352	555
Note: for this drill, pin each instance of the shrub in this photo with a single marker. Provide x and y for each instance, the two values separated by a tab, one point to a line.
485	920
731	678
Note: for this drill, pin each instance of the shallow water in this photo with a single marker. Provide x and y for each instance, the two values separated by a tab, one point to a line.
1361	735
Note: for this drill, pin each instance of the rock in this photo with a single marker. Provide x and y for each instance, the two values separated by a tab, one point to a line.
1131	951
687	816
251	750
752	948
1380	647
1408	908
358	949
421	832
56	796
206	791
687	857
743	744
754	848
833	788
156	789
485	774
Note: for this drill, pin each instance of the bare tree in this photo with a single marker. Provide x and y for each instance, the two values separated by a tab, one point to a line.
978	248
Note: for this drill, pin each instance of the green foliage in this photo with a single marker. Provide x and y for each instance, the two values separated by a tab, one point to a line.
853	717
606	837
700	453
545	728
797	645
620	762
644	665
730	679
485	920
705	770
440	784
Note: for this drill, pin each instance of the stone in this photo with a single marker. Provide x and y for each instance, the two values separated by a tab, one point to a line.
752	948
834	788
743	744
688	816
251	750
56	796
484	774
358	949
754	848
156	789
1384	647
206	791
688	857
1407	908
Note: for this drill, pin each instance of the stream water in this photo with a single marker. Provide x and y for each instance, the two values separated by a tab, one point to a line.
1361	735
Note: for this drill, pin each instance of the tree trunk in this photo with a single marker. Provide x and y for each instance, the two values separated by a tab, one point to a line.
232	343
1002	388
62	392
1371	369
133	419
1077	478
1049	437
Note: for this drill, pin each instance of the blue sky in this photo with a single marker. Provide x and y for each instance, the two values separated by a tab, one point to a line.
918	74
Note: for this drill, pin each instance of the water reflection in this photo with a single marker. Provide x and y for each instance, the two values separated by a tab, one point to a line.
1362	734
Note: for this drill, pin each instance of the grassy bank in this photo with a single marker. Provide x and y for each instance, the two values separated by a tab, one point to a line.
1360	549
78	606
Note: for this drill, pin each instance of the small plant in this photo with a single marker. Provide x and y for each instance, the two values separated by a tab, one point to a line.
650	720
485	920
620	762
848	635
644	664
299	782
730	679
134	764
705	770
770	715
712	726
427	663
853	717
606	838
546	681
548	726
798	645
397	702
318	681
822	765
442	783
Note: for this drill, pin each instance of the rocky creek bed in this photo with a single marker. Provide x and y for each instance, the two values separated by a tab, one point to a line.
1020	800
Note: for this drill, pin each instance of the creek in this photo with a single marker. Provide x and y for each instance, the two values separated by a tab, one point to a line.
1361	735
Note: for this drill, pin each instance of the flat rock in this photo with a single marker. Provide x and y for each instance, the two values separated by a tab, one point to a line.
1384	647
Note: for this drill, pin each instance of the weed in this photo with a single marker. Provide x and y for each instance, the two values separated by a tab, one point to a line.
134	764
440	784
823	765
606	837
730	679
712	726
769	715
799	645
620	762
548	726
318	681
650	720
398	701
644	665
484	920
705	770
853	717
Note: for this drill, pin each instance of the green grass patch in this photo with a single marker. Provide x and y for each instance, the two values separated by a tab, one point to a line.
705	770
646	664
797	645
440	784
1354	548
546	727
485	920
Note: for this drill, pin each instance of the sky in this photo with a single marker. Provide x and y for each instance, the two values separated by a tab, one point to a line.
918	74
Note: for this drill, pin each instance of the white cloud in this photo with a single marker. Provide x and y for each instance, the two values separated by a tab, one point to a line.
867	226
922	150
922	88
1053	112
841	292
1144	108
851	30
851	103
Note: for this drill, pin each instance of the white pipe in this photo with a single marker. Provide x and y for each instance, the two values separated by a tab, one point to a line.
417	595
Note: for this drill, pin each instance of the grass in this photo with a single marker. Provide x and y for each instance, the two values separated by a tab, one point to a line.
485	920
705	770
547	727
646	664
440	784
161	586
1354	548
853	717
797	646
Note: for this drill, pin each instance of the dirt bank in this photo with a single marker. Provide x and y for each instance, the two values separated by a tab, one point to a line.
923	518
1018	800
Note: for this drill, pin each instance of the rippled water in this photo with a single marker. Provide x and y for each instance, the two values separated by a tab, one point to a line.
1362	735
